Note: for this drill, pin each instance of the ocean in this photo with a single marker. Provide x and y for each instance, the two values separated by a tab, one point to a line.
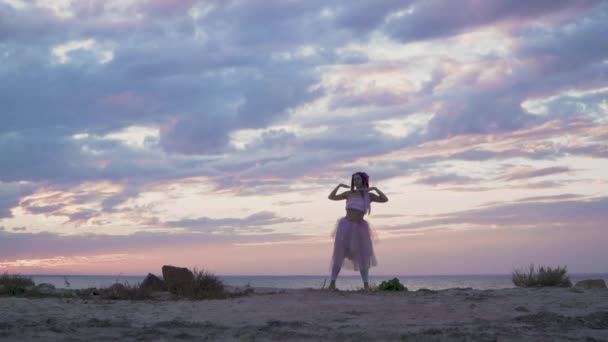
345	282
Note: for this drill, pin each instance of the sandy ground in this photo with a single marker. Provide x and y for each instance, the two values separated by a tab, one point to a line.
549	314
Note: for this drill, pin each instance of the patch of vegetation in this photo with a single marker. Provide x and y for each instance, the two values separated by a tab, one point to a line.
125	291
15	284
117	291
206	286
391	285
544	276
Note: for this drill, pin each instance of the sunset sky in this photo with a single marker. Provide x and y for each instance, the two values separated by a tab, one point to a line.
208	134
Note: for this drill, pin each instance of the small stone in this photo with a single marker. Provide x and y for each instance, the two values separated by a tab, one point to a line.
522	309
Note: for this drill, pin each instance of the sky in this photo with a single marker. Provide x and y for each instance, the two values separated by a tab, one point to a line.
208	134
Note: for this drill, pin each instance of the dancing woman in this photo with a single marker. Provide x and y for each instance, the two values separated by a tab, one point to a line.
353	244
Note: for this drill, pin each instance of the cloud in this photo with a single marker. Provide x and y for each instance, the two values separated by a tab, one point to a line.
541	185
526	173
481	113
526	214
363	17
536	143
198	88
62	261
10	194
312	83
443	18
550	198
445	179
24	245
568	47
249	223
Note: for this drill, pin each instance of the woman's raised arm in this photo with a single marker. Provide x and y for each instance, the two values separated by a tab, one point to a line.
381	197
332	196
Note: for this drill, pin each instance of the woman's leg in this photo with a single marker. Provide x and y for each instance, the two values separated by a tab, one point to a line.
364	276
342	237
335	270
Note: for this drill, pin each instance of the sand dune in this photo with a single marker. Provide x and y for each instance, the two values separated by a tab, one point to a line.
546	314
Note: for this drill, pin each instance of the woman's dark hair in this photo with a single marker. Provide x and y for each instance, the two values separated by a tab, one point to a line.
364	178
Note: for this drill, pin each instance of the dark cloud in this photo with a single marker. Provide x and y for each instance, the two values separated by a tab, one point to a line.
481	112
567	47
82	216
10	194
365	16
443	18
130	190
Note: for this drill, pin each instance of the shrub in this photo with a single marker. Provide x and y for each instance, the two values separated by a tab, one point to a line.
14	284
206	286
391	285
125	291
541	277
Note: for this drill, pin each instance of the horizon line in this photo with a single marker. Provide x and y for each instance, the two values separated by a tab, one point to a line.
302	275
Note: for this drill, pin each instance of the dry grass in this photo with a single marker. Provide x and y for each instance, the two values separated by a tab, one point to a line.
14	284
542	277
207	286
117	291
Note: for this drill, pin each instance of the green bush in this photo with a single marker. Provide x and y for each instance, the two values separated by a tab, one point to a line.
14	284
391	285
541	277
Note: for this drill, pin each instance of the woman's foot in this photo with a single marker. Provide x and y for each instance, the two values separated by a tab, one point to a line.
332	285
365	286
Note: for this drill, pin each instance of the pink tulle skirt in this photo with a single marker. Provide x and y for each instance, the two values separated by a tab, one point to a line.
353	247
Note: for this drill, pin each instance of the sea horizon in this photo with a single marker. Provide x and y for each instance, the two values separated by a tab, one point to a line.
345	281
297	275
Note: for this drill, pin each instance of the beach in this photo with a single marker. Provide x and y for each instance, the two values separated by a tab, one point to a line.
517	314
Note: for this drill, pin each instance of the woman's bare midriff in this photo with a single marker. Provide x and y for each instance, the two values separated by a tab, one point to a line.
354	215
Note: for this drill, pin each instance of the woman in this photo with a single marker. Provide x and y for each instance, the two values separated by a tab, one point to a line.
353	244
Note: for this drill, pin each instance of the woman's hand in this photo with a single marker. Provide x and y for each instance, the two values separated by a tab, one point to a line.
342	185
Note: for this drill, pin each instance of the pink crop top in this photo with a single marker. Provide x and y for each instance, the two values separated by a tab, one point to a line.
356	203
